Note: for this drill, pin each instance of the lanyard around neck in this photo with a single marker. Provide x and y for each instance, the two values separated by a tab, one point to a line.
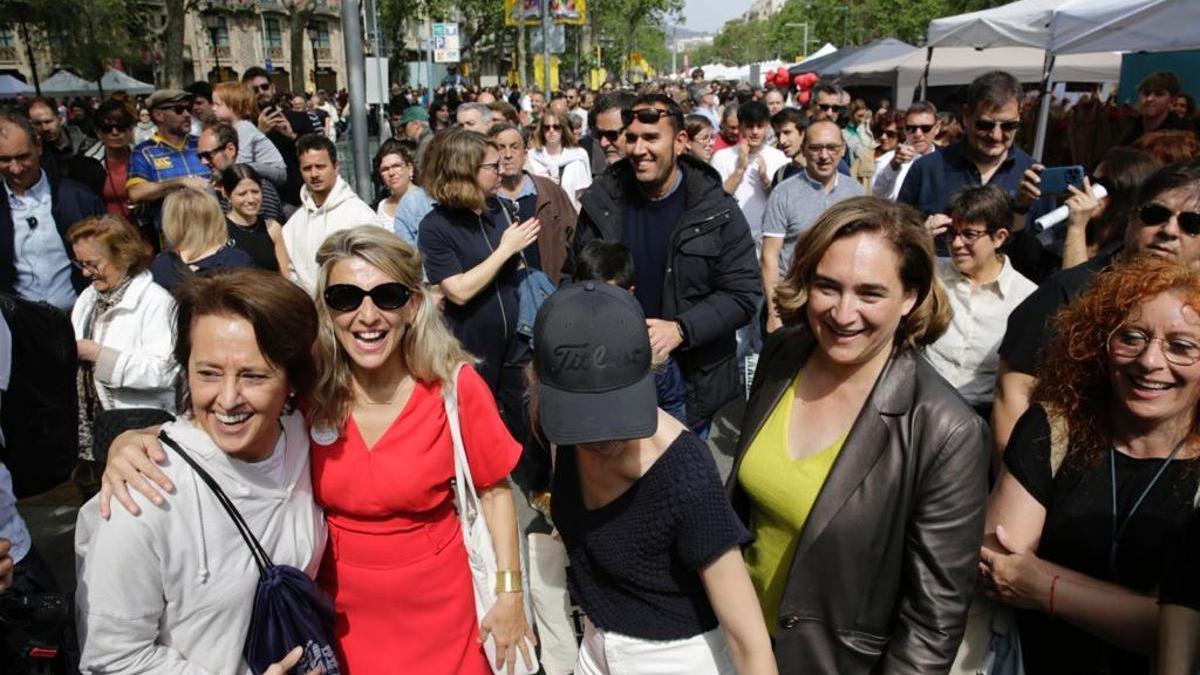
1118	526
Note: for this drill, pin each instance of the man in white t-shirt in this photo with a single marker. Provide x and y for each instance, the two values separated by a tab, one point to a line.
748	168
920	128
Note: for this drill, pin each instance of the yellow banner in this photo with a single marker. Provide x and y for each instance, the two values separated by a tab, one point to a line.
572	12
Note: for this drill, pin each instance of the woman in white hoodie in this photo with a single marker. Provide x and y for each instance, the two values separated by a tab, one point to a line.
123	323
555	155
171	590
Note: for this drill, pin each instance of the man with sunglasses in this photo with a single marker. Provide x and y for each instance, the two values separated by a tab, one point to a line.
282	126
694	266
1167	225
218	149
168	159
920	129
604	143
986	156
35	211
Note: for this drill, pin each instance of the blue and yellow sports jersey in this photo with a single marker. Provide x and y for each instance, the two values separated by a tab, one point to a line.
157	160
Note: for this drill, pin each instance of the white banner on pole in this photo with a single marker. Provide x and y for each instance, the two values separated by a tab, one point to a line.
445	43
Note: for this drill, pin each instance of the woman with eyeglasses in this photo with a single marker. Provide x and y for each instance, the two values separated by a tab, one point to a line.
382	463
557	156
1100	474
114	127
473	254
394	167
124	327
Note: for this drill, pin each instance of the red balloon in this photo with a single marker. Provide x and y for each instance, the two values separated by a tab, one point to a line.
799	81
803	96
811	78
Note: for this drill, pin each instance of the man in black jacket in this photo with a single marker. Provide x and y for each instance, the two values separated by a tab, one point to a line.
696	275
283	126
35	211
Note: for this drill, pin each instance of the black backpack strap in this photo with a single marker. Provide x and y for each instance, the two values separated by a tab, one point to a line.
260	555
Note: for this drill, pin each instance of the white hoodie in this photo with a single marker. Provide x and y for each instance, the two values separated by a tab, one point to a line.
308	227
172	590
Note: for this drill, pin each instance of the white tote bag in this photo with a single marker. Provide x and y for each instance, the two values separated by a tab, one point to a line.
481	556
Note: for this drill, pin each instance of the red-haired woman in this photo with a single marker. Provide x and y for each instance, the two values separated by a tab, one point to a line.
1100	474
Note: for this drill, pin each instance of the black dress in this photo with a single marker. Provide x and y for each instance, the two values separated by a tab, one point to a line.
256	241
1078	533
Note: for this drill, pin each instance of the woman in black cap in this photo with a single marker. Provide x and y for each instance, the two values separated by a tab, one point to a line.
654	546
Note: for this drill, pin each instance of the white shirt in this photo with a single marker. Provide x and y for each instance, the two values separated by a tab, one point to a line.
966	355
888	181
750	193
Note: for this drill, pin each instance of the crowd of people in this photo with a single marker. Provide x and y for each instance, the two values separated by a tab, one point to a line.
970	378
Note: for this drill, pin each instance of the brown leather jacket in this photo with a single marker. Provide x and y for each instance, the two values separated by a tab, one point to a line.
558	216
886	563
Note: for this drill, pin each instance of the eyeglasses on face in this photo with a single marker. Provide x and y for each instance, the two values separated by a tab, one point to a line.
816	150
831	107
1131	343
262	86
552	127
90	266
889	133
112	127
491	166
1153	213
348	297
178	108
987	126
610	135
969	237
645	115
914	128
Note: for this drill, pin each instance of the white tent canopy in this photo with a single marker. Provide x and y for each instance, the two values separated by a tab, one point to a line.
115	80
1125	25
960	65
1025	23
11	86
66	83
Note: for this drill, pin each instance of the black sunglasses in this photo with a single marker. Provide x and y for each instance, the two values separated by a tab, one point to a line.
646	115
206	155
831	107
889	133
109	127
1157	214
347	297
178	108
609	135
914	128
987	126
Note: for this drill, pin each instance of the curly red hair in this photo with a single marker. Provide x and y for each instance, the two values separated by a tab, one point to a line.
1073	379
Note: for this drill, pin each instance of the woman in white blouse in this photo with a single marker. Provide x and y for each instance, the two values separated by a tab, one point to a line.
555	155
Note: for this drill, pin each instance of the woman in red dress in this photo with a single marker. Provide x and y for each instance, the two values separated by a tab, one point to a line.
382	464
382	461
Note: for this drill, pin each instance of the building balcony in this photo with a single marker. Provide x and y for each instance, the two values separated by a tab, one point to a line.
8	54
324	54
275	53
223	52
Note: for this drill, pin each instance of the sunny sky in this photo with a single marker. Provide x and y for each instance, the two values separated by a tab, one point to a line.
708	15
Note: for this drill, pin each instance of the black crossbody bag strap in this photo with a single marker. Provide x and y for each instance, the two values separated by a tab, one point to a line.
260	555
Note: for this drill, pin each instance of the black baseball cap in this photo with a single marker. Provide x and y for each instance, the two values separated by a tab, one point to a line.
591	353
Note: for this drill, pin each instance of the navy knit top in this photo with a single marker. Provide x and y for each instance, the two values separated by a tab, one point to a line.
634	562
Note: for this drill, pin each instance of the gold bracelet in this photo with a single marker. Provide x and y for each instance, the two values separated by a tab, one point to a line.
508	581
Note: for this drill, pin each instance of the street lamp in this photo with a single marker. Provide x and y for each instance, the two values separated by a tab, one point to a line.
312	27
212	19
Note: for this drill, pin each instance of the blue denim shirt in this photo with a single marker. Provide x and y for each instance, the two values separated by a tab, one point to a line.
413	207
42	265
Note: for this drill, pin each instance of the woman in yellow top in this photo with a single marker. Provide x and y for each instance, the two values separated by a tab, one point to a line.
860	471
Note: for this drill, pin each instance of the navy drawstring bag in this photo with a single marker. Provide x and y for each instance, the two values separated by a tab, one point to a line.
289	608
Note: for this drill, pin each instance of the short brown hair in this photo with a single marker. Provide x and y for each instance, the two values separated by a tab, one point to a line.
450	165
238	97
985	204
120	240
1163	80
898	224
1073	379
282	314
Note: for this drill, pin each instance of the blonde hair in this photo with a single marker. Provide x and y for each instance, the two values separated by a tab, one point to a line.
901	227
239	98
192	221
449	167
430	351
121	241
